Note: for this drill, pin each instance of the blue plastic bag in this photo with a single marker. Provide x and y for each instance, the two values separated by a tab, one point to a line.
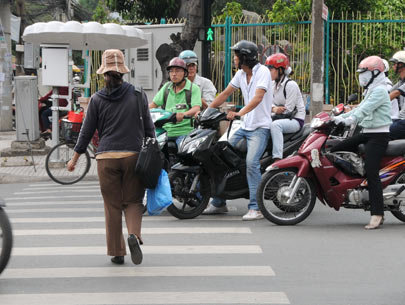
160	197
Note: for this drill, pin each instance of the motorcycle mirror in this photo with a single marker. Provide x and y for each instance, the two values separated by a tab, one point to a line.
352	97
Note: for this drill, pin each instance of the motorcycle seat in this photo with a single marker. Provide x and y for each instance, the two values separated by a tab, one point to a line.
394	148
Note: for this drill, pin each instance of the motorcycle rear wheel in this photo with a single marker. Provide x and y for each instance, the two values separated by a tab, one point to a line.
6	240
187	208
400	213
273	202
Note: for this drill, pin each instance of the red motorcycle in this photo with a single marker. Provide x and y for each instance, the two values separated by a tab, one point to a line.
289	187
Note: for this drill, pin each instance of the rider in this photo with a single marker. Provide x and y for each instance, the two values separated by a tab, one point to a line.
288	104
397	129
208	89
254	81
394	101
181	96
373	115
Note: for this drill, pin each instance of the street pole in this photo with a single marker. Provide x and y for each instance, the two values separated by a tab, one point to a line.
6	120
206	45
317	58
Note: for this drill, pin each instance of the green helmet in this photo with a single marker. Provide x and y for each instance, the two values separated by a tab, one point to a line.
189	57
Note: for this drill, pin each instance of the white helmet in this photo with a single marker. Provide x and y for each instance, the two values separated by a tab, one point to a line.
398	57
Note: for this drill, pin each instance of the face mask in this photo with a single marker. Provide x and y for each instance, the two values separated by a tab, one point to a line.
364	78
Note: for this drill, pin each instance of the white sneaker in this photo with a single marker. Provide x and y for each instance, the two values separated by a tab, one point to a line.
252	215
211	210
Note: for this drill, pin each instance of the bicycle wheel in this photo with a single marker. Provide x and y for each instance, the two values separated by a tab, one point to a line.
56	163
6	240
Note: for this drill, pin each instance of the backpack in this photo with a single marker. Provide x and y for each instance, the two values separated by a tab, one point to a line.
284	90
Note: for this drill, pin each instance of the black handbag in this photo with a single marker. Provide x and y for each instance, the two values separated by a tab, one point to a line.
150	160
288	115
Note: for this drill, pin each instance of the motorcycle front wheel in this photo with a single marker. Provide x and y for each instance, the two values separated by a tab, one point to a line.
186	205
6	240
272	197
400	213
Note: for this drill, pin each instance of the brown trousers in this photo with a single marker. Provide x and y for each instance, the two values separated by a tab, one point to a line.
122	192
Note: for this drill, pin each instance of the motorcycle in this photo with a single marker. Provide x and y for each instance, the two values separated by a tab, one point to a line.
211	167
168	146
289	188
6	237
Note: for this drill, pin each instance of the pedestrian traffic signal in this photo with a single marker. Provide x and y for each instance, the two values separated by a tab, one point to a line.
210	34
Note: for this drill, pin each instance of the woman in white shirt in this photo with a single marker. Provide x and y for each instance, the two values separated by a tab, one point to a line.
288	106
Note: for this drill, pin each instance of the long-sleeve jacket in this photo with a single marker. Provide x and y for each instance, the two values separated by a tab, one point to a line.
116	116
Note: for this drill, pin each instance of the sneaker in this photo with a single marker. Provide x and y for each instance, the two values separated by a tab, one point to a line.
252	215
211	210
136	252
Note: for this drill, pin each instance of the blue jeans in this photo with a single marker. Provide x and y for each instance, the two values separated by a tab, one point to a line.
256	144
397	130
277	128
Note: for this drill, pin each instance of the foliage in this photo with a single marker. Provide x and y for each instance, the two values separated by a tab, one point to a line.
283	11
102	13
145	9
89	4
258	6
232	9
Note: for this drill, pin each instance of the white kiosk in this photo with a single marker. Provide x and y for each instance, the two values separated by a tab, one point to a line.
58	39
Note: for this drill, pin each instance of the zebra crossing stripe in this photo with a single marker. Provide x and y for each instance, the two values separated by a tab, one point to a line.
56	191
167	230
203	218
153	297
61	197
54	210
53	203
187	249
95	272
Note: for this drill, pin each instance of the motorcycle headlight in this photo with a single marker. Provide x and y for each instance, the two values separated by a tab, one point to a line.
162	139
316	123
192	146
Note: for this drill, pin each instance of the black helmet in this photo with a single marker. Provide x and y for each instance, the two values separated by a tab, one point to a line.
247	48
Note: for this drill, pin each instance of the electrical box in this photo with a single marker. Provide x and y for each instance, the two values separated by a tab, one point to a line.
26	108
55	66
31	56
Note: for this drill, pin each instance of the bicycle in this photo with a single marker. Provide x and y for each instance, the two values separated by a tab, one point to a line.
58	157
6	237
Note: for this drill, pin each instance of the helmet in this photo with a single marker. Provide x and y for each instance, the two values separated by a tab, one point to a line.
371	63
177	62
386	65
189	57
278	60
247	48
398	57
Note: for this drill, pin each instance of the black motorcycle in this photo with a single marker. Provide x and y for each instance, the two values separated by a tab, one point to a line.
211	168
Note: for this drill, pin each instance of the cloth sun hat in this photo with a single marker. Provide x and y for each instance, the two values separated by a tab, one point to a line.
113	60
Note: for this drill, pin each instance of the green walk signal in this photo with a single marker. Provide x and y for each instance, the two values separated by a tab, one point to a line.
210	34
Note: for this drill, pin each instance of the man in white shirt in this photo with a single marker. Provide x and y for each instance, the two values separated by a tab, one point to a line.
254	80
207	88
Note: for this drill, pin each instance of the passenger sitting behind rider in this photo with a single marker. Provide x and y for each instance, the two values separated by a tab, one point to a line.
288	105
176	92
374	115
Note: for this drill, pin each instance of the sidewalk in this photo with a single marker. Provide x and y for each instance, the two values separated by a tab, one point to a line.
20	169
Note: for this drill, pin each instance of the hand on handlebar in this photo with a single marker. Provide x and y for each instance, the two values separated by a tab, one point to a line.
233	115
179	116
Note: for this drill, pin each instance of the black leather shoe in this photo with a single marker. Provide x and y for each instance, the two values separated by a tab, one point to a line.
119	260
136	253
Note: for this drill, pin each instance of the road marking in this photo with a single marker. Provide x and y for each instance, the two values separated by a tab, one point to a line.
56	191
55	210
187	249
52	197
26	204
157	297
151	231
19	273
64	188
101	219
67	186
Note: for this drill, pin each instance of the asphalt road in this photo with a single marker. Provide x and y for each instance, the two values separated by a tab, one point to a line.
59	256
